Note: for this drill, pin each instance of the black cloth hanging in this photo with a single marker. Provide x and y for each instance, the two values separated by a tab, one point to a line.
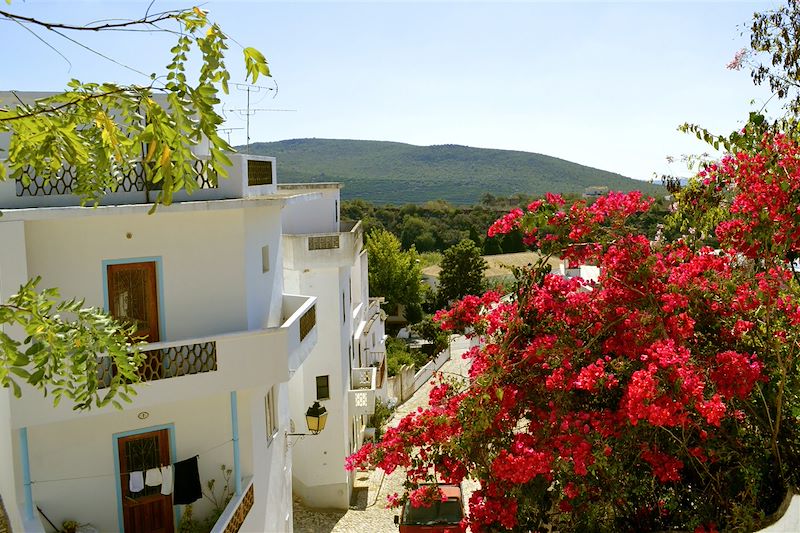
187	482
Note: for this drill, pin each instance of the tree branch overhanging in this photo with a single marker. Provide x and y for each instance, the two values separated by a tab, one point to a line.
127	25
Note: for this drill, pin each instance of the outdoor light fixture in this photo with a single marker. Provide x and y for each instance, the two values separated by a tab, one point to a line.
316	416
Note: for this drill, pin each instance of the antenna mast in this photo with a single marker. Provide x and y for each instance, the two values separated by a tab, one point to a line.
247	112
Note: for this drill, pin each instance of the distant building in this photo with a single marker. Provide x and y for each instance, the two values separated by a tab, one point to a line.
591	193
346	371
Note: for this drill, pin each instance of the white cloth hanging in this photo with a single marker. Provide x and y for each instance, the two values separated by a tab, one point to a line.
136	482
166	480
152	477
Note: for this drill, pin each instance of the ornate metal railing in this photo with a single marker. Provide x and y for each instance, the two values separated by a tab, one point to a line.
308	321
132	180
169	362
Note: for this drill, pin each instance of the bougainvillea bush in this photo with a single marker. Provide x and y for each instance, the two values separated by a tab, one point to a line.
662	396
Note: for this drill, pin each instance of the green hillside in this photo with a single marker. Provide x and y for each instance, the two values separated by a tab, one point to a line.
390	172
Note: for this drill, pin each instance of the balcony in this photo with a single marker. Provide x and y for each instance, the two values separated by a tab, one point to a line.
192	368
236	511
323	249
248	176
361	396
378	360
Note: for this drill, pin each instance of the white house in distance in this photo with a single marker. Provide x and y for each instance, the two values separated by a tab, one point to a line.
203	279
346	371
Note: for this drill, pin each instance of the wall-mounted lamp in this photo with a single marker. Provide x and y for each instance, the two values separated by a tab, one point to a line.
316	416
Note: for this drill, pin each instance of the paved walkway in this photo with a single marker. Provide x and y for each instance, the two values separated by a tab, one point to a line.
372	515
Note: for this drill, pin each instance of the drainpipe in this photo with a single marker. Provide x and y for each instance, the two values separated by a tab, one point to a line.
237	465
26	472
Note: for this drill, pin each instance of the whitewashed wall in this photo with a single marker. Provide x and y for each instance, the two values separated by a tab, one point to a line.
263	289
318	461
202	256
313	216
84	449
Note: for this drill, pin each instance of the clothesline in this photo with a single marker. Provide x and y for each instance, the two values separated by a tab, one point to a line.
33	482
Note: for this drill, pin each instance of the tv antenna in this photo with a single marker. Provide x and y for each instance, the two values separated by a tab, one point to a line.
248	111
227	131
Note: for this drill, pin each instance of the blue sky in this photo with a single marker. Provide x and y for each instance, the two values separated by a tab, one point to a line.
602	84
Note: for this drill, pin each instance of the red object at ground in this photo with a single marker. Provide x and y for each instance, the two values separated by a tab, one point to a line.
442	516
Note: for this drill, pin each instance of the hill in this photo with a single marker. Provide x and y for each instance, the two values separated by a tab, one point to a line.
397	173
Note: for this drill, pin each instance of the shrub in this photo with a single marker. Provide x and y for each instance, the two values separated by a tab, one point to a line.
378	419
661	397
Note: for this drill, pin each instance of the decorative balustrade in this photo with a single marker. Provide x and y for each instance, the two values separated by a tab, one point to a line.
378	359
323	242
308	321
242	509
361	396
362	378
132	179
168	362
233	516
259	172
5	526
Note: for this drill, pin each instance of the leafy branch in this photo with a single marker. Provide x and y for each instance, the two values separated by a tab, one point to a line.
66	348
101	131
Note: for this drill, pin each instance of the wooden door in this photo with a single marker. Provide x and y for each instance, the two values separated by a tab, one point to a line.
133	299
146	511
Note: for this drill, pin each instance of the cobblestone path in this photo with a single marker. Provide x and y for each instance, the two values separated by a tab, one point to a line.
372	516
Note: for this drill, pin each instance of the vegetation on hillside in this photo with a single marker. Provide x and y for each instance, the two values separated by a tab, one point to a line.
390	172
437	225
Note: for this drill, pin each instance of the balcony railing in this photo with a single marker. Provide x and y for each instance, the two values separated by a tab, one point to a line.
378	360
5	526
185	369
232	518
300	321
131	180
308	321
361	396
171	361
164	360
329	248
323	242
59	189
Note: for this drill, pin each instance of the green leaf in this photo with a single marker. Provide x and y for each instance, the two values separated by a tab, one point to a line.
21	372
17	389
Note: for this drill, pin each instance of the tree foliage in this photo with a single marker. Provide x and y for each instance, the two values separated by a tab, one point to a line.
101	131
64	345
775	47
661	397
393	273
436	226
462	272
665	395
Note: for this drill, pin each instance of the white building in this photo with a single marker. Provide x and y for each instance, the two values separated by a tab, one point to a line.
346	371
204	279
